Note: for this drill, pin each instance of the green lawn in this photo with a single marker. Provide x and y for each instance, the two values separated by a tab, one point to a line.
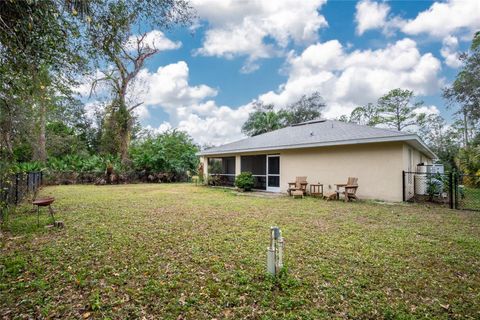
176	251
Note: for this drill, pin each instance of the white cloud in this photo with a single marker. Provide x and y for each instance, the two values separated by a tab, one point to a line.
442	19
257	28
428	110
153	39
370	15
169	88
450	52
222	125
348	79
446	18
163	127
189	107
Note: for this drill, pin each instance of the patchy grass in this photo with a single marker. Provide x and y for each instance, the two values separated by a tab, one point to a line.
177	251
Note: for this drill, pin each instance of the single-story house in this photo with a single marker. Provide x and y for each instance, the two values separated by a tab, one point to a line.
326	152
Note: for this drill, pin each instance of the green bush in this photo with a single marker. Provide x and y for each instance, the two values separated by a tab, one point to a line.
244	181
172	152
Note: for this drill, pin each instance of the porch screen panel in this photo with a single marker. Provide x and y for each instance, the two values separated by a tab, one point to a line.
224	168
228	165
257	165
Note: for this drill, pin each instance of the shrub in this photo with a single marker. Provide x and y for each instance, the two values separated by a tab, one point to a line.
244	181
172	152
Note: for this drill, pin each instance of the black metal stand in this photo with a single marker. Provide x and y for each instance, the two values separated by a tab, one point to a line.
50	209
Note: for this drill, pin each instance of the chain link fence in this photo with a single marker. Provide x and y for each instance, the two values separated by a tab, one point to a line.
16	187
467	192
456	191
428	187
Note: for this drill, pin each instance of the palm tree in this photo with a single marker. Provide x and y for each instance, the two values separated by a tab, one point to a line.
263	119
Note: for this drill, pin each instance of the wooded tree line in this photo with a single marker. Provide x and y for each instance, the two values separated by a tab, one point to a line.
47	46
456	142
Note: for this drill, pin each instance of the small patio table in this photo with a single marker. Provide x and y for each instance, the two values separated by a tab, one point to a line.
316	190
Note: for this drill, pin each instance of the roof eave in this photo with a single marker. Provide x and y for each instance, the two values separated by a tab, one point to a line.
407	137
423	147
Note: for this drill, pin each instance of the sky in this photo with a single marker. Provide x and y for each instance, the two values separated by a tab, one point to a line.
206	77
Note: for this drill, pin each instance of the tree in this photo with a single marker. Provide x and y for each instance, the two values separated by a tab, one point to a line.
464	93
121	54
468	160
127	66
172	152
368	115
263	119
441	138
68	129
476	41
39	57
397	109
305	109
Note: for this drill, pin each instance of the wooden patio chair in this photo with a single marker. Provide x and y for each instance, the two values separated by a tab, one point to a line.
349	189
300	184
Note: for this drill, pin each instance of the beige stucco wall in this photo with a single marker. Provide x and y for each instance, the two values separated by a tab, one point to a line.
410	162
378	167
204	160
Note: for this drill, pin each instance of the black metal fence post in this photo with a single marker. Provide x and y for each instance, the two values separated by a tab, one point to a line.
455	189
450	191
403	185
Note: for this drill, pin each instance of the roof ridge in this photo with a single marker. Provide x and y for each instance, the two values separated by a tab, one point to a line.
372	127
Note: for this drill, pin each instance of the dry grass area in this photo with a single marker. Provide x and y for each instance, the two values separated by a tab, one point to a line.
176	251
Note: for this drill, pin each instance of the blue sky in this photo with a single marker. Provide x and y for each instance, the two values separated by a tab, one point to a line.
205	78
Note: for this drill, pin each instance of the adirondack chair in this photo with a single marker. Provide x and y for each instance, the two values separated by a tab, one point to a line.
300	184
349	189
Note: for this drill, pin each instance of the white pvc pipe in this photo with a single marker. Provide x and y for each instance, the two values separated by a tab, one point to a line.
280	253
271	261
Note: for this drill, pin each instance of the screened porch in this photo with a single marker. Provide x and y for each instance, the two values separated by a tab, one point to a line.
265	170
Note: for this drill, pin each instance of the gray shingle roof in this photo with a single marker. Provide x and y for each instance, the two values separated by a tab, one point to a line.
314	133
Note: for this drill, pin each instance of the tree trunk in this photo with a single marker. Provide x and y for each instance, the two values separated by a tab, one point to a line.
40	149
124	143
9	144
6	132
125	129
465	129
399	123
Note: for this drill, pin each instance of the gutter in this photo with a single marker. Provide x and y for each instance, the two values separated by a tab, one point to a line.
405	138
